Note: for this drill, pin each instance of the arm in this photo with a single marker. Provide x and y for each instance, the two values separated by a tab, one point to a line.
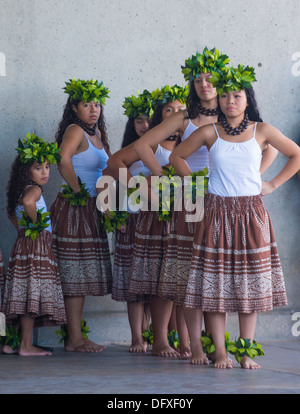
29	199
144	146
286	147
14	221
72	141
203	136
268	157
122	159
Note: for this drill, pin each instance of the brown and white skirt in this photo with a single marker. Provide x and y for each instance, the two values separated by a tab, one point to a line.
235	264
149	245
32	282
123	264
81	248
177	258
2	275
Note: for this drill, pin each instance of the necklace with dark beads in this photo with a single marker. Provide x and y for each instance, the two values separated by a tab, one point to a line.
89	130
36	184
207	111
235	131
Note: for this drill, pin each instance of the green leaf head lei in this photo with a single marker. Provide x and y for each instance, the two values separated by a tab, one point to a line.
233	79
34	148
87	91
207	61
141	104
169	94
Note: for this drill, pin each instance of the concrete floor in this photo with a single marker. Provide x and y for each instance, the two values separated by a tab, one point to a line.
116	371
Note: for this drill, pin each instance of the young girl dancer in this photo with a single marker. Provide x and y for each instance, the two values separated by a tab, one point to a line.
151	234
80	244
32	292
235	264
127	158
138	109
201	110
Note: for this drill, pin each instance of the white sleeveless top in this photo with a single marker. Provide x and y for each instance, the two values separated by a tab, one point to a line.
235	167
199	159
40	204
89	164
161	154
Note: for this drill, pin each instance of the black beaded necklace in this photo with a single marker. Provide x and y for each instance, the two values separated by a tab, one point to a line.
235	131
89	130
207	111
36	184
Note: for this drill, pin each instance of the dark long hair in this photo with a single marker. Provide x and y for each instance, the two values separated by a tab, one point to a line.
130	134
252	108
68	119
156	119
193	103
19	179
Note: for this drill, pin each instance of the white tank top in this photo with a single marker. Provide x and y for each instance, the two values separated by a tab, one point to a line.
161	154
199	159
235	167
89	164
40	204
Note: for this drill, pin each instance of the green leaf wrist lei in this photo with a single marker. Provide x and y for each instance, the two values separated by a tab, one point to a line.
32	229
75	199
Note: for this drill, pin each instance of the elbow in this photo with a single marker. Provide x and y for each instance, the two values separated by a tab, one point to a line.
172	158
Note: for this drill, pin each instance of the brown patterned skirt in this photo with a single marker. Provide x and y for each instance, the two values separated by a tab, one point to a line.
235	264
123	264
177	258
2	275
81	248
32	282
149	245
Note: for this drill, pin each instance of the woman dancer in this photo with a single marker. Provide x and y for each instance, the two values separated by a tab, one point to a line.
235	264
32	292
80	244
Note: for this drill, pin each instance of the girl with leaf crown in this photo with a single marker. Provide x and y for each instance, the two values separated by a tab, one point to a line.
202	109
235	265
32	289
80	244
127	158
138	109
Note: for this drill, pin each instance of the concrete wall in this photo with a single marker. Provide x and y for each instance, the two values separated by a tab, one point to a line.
138	44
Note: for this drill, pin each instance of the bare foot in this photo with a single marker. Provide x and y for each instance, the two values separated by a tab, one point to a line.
164	351
212	358
185	353
199	358
32	351
138	347
248	363
222	361
84	345
6	349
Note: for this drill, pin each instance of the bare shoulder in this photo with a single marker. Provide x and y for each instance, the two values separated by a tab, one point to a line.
32	193
264	128
73	132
